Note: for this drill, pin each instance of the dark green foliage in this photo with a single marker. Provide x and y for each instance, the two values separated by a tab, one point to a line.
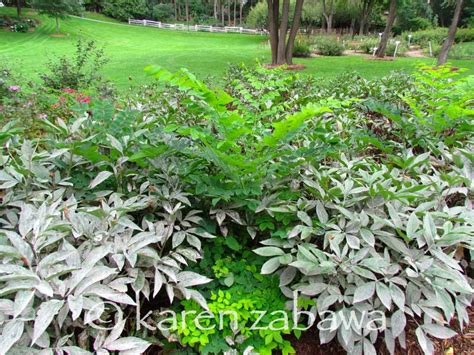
58	8
125	9
414	16
237	286
329	46
163	12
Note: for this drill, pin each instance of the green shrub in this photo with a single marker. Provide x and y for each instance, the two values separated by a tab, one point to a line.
368	44
163	12
302	47
390	49
15	24
329	46
125	9
457	51
438	35
257	17
82	72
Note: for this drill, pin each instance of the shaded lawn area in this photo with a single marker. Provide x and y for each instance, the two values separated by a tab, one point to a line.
131	48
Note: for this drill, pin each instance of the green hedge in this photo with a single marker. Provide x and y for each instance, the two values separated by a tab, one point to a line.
437	35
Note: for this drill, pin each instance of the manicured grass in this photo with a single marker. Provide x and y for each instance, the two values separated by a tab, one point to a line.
131	48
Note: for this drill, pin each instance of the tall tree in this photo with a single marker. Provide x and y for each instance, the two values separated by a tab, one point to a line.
392	13
328	14
235	12
223	12
295	26
365	10
18	8
187	11
273	21
58	9
241	11
448	42
281	44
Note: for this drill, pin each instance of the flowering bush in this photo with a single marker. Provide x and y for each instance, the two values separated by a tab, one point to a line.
79	73
17	24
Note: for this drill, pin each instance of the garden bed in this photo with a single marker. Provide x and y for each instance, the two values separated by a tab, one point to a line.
15	24
346	200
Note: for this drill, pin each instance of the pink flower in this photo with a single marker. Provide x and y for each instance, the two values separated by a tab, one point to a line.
14	88
43	116
84	99
69	90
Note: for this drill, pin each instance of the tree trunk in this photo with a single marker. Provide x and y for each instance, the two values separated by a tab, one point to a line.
215	9
366	9
352	28
443	55
325	16
285	13
235	12
328	17
187	11
175	10
392	13
18	8
294	31
240	11
223	13
273	20
362	18
57	24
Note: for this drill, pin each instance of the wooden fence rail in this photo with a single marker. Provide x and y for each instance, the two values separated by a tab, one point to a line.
196	28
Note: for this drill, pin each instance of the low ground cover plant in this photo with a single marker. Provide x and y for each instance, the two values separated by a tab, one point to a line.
354	196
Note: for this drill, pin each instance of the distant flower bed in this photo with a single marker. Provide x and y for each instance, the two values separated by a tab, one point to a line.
17	24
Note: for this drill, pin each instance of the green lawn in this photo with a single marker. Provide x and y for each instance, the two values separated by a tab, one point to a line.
131	48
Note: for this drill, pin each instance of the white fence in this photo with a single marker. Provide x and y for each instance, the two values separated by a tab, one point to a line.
196	28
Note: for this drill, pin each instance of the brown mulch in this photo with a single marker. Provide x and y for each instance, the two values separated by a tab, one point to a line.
308	344
462	344
286	67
